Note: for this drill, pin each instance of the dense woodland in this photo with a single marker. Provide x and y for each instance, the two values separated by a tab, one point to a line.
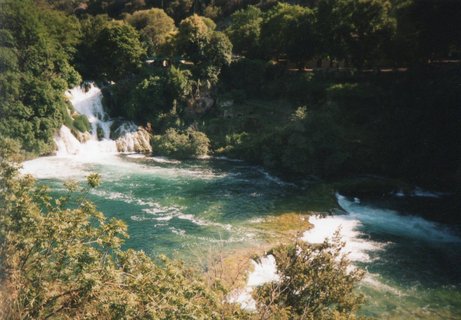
309	89
326	88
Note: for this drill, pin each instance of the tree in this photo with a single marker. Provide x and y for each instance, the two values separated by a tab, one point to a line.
179	9
330	30
427	30
315	283
36	69
87	56
150	97
155	27
207	49
288	30
370	28
356	30
120	52
114	8
244	31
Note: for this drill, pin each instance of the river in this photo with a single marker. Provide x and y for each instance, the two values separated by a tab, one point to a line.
181	208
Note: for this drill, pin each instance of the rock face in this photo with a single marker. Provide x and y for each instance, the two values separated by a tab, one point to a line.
132	139
83	137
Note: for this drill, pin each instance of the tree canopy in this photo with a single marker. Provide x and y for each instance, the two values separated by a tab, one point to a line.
35	59
155	26
120	51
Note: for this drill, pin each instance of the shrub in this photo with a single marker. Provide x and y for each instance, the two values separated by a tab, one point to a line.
316	282
81	123
181	145
62	263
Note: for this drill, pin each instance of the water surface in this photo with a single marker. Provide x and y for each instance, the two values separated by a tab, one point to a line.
182	208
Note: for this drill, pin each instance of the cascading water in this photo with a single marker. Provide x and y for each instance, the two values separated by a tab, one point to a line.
88	102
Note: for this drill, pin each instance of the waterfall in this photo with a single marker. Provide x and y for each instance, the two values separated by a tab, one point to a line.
87	101
66	142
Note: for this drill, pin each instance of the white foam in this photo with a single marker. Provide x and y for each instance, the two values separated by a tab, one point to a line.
66	142
179	232
77	167
393	223
89	103
158	212
418	192
164	160
356	246
372	281
274	179
136	156
264	271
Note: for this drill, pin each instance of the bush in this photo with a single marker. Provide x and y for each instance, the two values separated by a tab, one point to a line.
81	123
181	145
62	263
316	282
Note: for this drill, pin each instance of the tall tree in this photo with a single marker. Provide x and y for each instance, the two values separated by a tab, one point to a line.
207	49
120	52
179	9
155	27
288	30
356	30
244	31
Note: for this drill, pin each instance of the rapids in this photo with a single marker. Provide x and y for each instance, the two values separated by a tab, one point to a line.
181	208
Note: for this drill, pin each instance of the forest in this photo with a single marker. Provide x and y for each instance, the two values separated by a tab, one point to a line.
349	87
318	90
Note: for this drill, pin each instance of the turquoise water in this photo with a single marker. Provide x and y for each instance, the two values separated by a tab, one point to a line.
183	208
172	206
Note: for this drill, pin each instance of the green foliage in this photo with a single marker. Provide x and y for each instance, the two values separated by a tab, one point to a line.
244	31
65	29
178	84
368	27
315	283
112	50
155	26
426	30
35	63
81	123
359	31
247	75
156	97
62	259
207	49
181	145
179	9
289	29
119	51
113	8
87	55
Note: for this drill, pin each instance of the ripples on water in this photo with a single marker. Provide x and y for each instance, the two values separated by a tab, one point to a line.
173	206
